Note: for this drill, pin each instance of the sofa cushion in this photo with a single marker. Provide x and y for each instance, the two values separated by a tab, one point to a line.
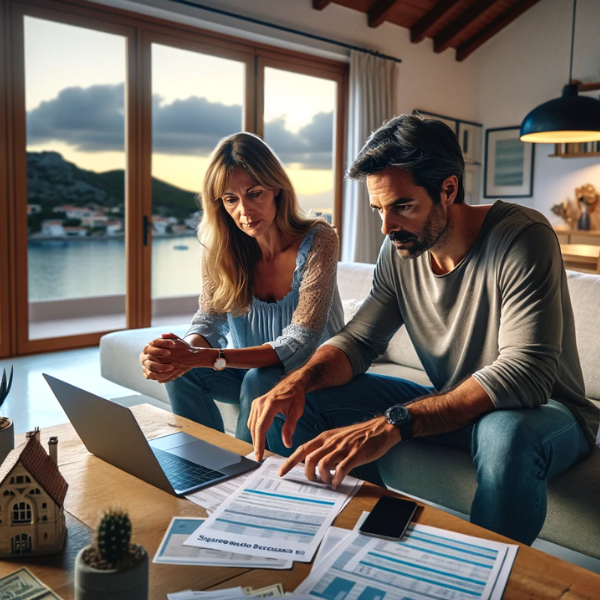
350	308
401	351
585	298
354	282
394	370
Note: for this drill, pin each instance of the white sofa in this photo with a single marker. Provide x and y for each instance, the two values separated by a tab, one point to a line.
438	474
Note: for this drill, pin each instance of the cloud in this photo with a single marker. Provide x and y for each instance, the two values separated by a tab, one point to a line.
192	126
310	147
92	120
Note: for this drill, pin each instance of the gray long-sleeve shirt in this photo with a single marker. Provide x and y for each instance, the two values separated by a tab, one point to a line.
503	315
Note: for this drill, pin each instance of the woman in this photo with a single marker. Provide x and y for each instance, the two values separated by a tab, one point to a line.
268	280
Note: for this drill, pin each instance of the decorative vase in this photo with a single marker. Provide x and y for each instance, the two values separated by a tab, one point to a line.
7	440
111	584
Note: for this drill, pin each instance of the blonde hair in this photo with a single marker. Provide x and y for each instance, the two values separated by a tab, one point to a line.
229	255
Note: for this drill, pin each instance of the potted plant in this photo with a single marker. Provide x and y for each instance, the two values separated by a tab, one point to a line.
112	568
7	431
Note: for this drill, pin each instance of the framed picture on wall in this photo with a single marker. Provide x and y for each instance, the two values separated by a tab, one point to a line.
509	162
469	136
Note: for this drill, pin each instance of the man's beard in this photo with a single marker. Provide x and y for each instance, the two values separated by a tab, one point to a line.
434	228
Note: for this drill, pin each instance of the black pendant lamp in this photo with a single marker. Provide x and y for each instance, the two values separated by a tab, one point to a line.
568	119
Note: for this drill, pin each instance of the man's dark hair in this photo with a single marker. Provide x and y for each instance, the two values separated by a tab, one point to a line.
426	148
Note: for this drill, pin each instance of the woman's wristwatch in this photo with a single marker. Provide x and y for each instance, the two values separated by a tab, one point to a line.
220	362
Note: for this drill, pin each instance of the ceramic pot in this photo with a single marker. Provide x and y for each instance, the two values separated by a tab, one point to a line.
7	440
111	584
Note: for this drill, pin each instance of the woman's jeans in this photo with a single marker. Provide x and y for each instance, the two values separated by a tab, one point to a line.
515	451
193	395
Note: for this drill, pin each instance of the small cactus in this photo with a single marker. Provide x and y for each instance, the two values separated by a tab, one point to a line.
113	536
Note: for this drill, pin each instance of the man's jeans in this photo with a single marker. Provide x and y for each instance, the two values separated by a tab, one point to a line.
193	395
515	451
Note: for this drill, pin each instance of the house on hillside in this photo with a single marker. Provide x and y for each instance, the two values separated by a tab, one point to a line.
74	212
75	231
53	228
159	224
32	494
96	219
114	226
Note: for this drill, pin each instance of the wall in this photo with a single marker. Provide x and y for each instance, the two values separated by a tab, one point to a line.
428	81
524	65
527	64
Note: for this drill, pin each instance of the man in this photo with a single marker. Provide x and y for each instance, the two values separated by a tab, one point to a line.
483	294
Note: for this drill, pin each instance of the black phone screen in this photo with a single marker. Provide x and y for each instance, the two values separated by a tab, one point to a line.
389	518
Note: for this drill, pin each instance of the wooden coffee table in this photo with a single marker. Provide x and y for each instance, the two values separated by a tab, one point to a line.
95	485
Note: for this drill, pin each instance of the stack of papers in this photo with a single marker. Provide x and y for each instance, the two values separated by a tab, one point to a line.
212	497
427	563
271	591
172	551
274	517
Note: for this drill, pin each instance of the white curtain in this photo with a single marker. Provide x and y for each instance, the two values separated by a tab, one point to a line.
372	101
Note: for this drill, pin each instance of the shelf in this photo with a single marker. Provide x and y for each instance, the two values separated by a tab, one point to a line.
584	232
584	149
573	155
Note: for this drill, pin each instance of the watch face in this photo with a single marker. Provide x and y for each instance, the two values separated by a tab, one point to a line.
220	364
398	414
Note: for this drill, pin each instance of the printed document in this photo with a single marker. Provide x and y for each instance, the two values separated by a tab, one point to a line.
228	594
172	551
274	517
427	564
212	497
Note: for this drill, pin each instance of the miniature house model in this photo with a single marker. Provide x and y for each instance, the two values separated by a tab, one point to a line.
32	493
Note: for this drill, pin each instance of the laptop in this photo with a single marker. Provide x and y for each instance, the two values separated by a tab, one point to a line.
177	463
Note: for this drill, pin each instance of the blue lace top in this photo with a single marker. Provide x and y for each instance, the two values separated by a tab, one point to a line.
309	314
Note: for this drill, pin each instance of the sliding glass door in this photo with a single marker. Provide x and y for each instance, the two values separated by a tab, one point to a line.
107	122
197	99
302	113
72	209
299	117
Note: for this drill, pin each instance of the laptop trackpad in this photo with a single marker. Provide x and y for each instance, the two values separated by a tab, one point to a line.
207	455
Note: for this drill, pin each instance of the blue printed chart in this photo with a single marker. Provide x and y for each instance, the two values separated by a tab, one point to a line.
427	564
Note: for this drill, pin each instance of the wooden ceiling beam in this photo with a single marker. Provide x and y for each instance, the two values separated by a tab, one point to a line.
380	11
506	18
445	37
419	31
321	4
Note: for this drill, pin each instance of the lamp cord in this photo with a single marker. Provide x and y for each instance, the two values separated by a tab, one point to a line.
572	43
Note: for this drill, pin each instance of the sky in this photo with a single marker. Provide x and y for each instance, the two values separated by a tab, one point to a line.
75	106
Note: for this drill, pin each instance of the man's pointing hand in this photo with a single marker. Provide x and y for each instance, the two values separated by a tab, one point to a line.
285	398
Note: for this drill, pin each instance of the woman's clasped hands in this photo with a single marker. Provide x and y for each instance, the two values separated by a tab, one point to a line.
168	357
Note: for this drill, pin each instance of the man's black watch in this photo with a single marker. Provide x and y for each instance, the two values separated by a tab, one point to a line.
399	416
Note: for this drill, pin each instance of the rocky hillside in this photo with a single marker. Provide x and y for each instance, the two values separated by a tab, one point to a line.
53	181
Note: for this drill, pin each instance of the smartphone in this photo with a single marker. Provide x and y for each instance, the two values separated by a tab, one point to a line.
389	518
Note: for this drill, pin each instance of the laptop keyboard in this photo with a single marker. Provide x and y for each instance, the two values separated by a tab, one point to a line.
182	473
